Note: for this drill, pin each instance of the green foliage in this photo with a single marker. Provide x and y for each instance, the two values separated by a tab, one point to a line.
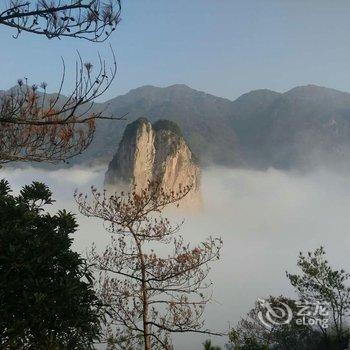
164	124
207	345
4	187
251	334
320	283
251	344
37	194
47	299
131	129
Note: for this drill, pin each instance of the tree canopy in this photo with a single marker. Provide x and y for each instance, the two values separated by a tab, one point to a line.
47	299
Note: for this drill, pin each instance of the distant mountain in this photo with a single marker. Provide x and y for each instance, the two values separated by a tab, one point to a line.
252	102
203	118
303	127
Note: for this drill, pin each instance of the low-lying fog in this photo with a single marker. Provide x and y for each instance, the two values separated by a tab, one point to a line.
264	218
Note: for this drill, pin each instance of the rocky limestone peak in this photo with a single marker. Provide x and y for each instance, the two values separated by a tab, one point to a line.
154	152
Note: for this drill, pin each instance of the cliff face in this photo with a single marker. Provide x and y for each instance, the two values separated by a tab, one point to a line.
155	152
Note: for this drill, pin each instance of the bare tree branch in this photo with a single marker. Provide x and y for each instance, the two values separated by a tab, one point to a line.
150	295
92	20
37	126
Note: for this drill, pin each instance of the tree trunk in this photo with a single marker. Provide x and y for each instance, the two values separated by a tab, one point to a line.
146	333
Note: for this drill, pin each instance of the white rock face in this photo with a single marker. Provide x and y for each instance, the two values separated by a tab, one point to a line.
154	153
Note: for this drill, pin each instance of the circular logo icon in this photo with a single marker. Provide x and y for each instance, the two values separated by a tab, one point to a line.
276	314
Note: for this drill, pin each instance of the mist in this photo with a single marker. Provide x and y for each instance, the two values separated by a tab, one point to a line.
264	218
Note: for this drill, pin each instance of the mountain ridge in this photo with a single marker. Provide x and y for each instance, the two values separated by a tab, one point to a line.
263	128
185	86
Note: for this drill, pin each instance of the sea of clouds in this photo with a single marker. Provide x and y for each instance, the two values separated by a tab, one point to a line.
264	218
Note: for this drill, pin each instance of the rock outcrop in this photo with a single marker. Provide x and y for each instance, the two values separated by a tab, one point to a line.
154	152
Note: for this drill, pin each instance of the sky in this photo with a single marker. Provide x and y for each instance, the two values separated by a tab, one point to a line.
223	47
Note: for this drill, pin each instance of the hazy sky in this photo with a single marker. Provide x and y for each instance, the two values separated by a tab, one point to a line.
224	47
